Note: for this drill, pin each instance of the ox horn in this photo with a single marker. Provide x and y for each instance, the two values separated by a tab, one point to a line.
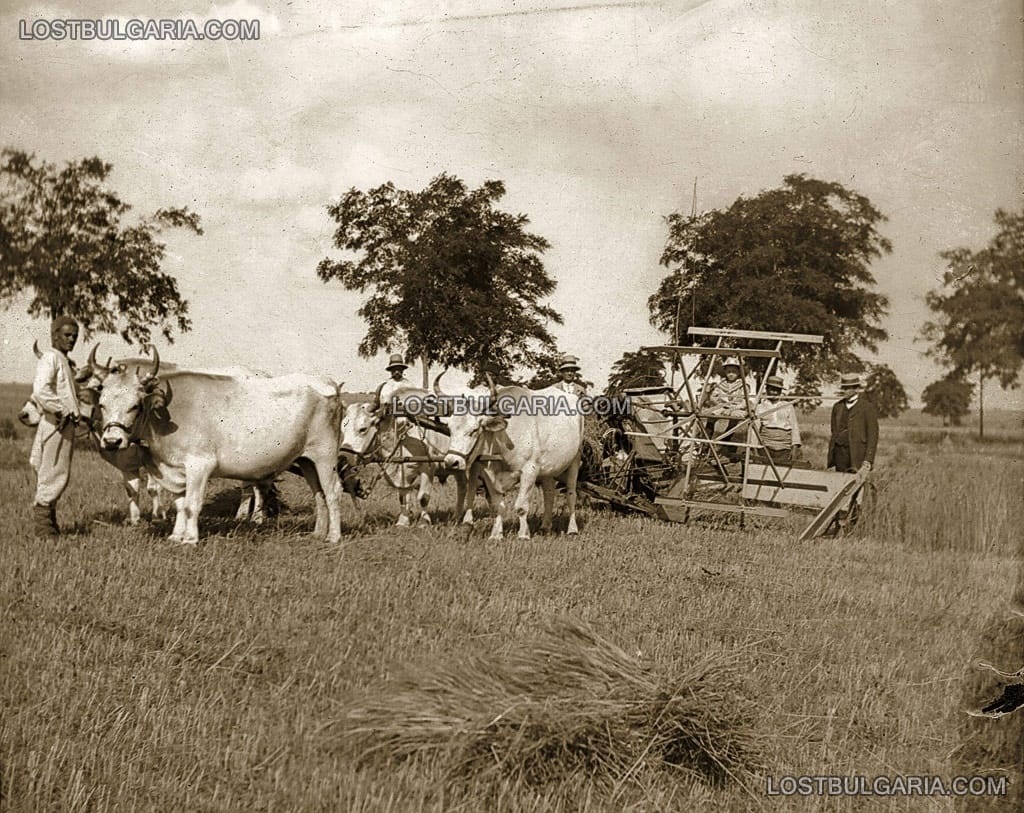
93	365
156	360
375	407
36	350
437	384
491	386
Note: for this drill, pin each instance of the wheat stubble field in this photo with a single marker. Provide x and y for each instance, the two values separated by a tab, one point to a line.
639	666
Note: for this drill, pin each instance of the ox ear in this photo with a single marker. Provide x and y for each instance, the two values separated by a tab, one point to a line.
36	350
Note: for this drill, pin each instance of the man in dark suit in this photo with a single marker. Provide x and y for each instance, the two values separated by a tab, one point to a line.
854	428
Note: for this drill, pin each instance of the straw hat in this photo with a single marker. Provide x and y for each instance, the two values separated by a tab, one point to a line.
569	363
396	362
774	381
849	381
731	361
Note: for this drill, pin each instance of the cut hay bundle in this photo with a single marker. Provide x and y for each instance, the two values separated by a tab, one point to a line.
572	705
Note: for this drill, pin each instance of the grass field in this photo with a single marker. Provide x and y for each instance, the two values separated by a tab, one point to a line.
138	675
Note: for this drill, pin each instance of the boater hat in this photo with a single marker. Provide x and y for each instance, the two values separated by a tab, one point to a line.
569	363
849	381
396	362
774	381
730	361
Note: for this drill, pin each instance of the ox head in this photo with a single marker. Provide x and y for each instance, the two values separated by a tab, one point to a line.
360	424
468	428
127	397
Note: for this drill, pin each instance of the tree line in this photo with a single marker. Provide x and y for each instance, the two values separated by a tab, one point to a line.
452	280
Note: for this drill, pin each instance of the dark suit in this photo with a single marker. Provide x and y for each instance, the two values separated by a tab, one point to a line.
854	435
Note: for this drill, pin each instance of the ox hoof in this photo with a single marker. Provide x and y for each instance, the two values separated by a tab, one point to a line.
467	518
403	522
425	519
525	537
495	537
544	530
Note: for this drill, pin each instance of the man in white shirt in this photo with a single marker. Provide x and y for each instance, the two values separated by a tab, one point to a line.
569	371
777	426
53	391
397	381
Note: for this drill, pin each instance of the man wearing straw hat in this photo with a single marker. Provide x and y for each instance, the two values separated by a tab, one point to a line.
777	426
854	439
53	391
569	372
397	367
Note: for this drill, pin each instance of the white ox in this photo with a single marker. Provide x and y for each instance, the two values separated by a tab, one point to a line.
373	433
197	425
533	449
130	462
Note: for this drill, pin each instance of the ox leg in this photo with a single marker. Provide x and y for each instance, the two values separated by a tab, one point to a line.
197	476
527	480
246	505
497	503
328	495
423	496
178	532
259	513
547	487
404	514
460	498
309	471
332	492
157	500
571	477
133	488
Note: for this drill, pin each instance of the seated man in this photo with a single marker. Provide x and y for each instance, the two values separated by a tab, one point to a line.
727	404
777	426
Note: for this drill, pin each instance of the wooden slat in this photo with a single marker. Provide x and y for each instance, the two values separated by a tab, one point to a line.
804	487
761	511
746	352
768	335
841	499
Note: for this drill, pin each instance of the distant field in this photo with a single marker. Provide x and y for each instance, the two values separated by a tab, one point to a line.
138	675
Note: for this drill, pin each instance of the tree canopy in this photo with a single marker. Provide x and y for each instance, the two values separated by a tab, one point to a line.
886	392
639	368
979	310
794	259
62	238
452	279
949	397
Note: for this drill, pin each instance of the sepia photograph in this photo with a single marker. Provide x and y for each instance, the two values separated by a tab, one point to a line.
511	405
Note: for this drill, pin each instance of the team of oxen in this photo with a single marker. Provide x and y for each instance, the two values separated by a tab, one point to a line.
174	429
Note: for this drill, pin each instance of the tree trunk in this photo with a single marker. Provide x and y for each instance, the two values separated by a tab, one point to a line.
981	407
426	370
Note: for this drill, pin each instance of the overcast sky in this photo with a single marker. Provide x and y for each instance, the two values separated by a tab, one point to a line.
597	116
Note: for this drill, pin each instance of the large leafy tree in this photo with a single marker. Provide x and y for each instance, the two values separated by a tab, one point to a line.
639	368
886	392
794	259
979	310
452	279
62	238
949	397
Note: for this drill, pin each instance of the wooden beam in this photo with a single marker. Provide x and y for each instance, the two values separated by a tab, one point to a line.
768	335
746	352
761	511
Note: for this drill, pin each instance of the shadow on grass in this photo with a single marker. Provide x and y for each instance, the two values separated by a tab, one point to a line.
994	746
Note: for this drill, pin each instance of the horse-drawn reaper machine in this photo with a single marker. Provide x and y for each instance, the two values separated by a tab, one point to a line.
678	452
